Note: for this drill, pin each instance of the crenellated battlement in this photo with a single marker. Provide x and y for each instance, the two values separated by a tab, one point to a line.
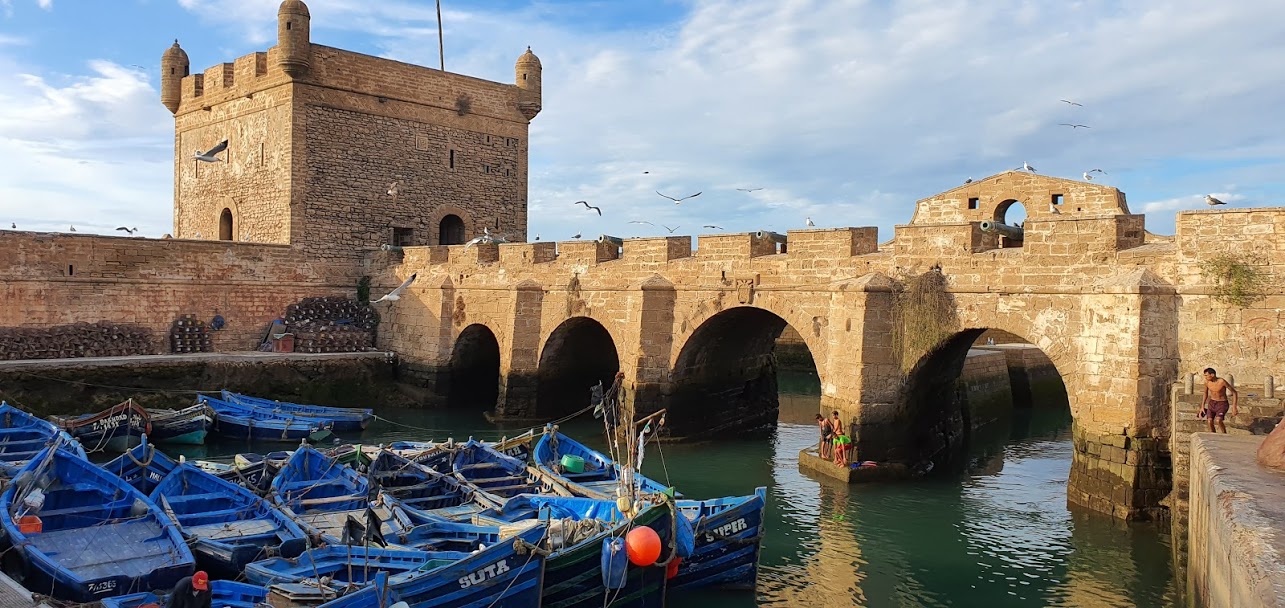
226	82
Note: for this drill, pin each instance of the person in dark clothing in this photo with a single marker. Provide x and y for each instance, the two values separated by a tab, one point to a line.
191	592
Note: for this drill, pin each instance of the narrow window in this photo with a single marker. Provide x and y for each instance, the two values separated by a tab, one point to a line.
225	225
403	237
263	157
452	159
973	203
70	270
288	25
1057	199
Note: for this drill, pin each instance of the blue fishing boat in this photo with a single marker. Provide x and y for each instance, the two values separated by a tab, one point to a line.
341	418
729	533
321	495
22	436
187	426
584	471
226	525
495	475
223	594
587	537
256	477
249	422
80	534
507	574
142	466
117	428
415	485
346	566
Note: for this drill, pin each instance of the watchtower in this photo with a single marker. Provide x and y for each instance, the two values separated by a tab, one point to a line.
339	153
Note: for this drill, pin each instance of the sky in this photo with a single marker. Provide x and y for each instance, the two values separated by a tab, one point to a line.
842	111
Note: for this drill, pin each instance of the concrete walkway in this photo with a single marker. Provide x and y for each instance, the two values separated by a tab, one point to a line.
145	360
13	595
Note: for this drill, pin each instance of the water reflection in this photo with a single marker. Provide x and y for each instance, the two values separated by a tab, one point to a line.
999	534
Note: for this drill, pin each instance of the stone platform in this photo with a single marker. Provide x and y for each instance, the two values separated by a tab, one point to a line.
1237	525
810	462
36	365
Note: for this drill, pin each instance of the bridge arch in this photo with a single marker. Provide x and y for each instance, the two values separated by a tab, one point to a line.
724	375
577	354
475	368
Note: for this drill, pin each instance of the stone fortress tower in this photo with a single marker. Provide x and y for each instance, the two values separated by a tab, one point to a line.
338	153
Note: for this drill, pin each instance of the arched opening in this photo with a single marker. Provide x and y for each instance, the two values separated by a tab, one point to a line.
728	377
451	230
225	225
975	394
1011	213
578	355
475	369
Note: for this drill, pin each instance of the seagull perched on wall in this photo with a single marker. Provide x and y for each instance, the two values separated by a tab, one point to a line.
396	294
679	200
1211	201
13	225
588	206
968	181
128	230
73	228
811	224
1025	166
576	236
211	155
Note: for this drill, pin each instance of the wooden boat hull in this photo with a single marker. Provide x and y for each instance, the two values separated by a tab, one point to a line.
22	436
142	466
493	474
224	594
227	525
729	534
573	576
100	537
601	476
342	419
117	428
187	426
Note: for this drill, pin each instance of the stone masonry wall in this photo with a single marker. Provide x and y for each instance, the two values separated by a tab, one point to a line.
986	385
55	279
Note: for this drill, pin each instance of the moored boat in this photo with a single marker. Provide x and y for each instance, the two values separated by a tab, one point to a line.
223	594
584	471
483	469
729	534
142	466
339	418
226	525
117	428
321	495
249	422
255	477
22	436
187	426
81	534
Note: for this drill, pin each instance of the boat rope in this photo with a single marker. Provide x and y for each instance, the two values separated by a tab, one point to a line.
520	546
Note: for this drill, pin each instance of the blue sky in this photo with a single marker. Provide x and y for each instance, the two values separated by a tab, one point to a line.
845	111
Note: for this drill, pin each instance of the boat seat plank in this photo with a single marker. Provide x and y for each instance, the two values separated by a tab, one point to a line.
233	529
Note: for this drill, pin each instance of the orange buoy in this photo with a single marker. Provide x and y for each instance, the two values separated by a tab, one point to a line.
643	546
672	569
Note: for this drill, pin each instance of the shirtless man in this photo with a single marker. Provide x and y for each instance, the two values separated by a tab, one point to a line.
1215	401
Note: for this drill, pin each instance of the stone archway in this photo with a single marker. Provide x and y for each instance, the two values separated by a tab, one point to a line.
942	408
475	369
577	355
225	225
451	230
724	380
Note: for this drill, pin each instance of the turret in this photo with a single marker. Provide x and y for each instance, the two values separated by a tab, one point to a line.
293	21
174	67
528	81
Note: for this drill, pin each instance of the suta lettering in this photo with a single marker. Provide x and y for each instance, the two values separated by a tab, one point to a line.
481	575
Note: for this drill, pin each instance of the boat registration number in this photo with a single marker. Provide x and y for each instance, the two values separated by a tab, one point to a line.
112	422
481	575
102	587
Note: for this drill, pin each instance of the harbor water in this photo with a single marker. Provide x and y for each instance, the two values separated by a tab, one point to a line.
997	534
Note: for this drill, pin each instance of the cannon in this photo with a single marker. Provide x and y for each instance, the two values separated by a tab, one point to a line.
775	237
1011	232
614	240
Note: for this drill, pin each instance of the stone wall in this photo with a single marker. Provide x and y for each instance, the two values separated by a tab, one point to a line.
985	381
55	279
1237	510
1032	375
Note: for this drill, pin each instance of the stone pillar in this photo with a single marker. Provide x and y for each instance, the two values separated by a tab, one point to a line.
1123	475
519	368
655	347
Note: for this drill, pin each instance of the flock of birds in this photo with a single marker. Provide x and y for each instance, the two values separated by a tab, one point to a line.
212	156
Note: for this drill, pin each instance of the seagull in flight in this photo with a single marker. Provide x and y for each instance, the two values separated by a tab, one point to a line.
642	222
128	230
1097	171
1211	201
396	294
1026	166
746	189
392	189
1073	126
486	238
588	206
810	223
712	226
1087	177
671	230
211	155
1071	102
679	200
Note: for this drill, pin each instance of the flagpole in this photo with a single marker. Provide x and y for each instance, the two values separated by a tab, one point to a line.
440	43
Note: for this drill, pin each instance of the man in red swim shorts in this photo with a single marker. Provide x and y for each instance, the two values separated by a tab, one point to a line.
1214	404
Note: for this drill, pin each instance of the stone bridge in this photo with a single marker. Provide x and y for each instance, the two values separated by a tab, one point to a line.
1119	311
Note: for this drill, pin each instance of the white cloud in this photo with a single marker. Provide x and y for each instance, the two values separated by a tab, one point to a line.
46	4
844	110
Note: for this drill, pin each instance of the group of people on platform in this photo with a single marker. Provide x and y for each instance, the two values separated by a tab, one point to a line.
836	446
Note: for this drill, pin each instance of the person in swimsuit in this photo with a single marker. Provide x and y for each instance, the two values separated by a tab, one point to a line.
827	437
1214	405
841	440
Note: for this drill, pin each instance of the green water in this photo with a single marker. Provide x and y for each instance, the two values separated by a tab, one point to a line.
998	535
